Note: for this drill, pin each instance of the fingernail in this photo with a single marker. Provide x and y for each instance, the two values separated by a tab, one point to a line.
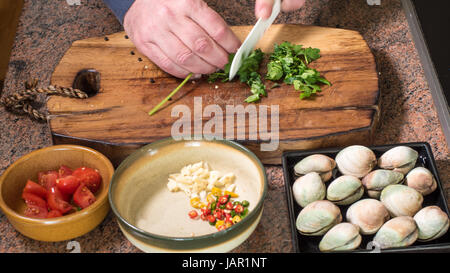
196	76
262	11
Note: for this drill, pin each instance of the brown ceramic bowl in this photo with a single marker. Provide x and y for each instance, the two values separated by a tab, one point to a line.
62	228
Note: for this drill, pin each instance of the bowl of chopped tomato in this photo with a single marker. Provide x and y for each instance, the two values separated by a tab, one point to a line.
56	193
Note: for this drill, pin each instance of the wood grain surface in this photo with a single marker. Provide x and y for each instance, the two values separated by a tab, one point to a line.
116	122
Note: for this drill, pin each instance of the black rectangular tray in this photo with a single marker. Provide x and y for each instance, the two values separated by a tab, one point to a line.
308	244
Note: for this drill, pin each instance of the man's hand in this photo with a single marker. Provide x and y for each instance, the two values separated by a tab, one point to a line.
180	36
263	8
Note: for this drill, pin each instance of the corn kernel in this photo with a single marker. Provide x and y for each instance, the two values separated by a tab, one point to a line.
216	191
219	223
195	202
210	198
231	194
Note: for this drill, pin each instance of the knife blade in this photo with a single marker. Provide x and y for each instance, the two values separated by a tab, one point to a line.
252	39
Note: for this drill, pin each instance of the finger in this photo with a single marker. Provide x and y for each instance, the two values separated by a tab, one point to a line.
154	53
196	39
216	28
290	5
263	8
181	55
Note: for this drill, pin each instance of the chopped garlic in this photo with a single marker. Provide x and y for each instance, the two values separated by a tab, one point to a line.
226	179
197	180
172	185
231	188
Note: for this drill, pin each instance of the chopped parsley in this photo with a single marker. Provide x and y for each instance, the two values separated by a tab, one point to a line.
248	73
288	63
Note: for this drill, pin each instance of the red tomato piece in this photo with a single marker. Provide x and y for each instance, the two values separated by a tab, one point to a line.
68	184
227	217
35	188
218	213
90	177
34	200
193	214
48	179
56	201
83	197
239	208
54	214
223	199
64	171
229	206
205	211
35	212
211	218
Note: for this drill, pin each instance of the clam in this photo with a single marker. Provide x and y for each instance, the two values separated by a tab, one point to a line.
401	200
345	190
422	180
398	232
308	188
368	214
318	217
343	236
377	180
356	160
432	223
400	159
321	164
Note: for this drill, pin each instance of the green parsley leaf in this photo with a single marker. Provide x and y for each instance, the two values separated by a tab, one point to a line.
289	63
248	73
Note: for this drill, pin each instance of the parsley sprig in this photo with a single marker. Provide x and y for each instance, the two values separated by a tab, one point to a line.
289	63
248	73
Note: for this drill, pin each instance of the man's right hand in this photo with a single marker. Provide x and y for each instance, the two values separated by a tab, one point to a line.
263	8
180	36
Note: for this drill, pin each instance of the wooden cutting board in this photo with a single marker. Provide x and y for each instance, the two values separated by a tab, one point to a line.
115	121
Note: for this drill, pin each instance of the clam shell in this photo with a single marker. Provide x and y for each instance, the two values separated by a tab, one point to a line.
400	159
343	236
321	164
422	180
377	180
308	188
318	217
401	200
432	223
345	190
356	160
398	232
368	214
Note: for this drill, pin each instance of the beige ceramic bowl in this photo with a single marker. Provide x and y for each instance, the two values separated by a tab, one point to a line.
156	220
62	228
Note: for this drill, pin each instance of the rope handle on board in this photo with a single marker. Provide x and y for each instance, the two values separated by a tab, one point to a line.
21	102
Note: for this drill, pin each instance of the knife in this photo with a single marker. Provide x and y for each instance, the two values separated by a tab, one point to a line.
252	39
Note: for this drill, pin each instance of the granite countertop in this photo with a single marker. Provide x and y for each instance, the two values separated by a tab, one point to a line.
47	29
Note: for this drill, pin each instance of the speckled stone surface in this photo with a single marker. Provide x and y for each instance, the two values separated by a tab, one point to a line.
47	29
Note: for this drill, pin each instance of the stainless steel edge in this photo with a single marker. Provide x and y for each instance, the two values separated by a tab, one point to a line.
434	85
